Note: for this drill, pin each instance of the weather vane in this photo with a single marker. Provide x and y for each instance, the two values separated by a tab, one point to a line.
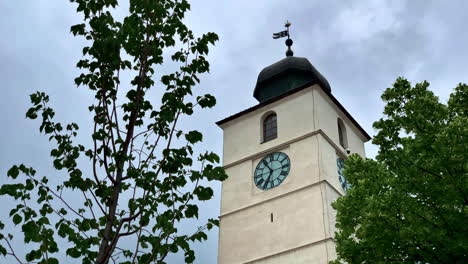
285	33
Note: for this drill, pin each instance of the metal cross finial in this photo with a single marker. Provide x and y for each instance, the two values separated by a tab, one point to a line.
285	33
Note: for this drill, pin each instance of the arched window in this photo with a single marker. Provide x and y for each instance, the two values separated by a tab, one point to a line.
270	128
342	134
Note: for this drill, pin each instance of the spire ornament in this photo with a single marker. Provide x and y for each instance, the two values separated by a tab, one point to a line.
288	42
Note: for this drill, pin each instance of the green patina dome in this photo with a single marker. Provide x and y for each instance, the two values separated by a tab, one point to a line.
286	75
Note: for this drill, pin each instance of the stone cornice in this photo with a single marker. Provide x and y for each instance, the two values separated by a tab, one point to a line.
291	249
338	149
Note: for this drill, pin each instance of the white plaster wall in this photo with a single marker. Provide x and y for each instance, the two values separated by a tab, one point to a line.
316	254
239	190
326	115
301	205
331	196
242	137
331	250
327	166
250	235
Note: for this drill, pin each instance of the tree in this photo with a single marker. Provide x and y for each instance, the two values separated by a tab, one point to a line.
410	204
142	180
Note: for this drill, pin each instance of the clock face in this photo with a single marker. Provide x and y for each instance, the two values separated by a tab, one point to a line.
344	183
272	170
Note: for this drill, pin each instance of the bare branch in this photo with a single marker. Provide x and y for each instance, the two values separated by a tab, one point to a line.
12	253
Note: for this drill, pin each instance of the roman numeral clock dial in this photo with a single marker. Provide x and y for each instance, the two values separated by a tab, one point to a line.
272	170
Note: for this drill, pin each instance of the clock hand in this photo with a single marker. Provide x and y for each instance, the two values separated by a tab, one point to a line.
280	168
260	176
266	164
266	182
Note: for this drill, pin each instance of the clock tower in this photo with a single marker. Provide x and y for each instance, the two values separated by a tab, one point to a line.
284	158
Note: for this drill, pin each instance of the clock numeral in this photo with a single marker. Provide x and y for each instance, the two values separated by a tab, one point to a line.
265	185
284	173
285	166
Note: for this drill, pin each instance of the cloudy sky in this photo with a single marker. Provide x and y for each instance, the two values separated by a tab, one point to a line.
361	47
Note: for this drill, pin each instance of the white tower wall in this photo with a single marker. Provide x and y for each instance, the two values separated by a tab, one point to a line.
293	222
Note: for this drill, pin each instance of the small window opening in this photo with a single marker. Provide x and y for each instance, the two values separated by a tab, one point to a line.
271	217
270	128
342	134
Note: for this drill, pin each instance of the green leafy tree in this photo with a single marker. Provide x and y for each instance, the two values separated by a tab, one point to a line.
410	204
140	179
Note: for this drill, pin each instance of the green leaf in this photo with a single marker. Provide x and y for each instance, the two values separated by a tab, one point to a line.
203	193
31	113
13	172
53	261
35	98
73	252
189	256
3	250
191	211
207	101
173	248
210	156
194	136
17	219
33	254
78	29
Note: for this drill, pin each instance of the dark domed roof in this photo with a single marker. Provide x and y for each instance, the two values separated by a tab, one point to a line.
286	75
